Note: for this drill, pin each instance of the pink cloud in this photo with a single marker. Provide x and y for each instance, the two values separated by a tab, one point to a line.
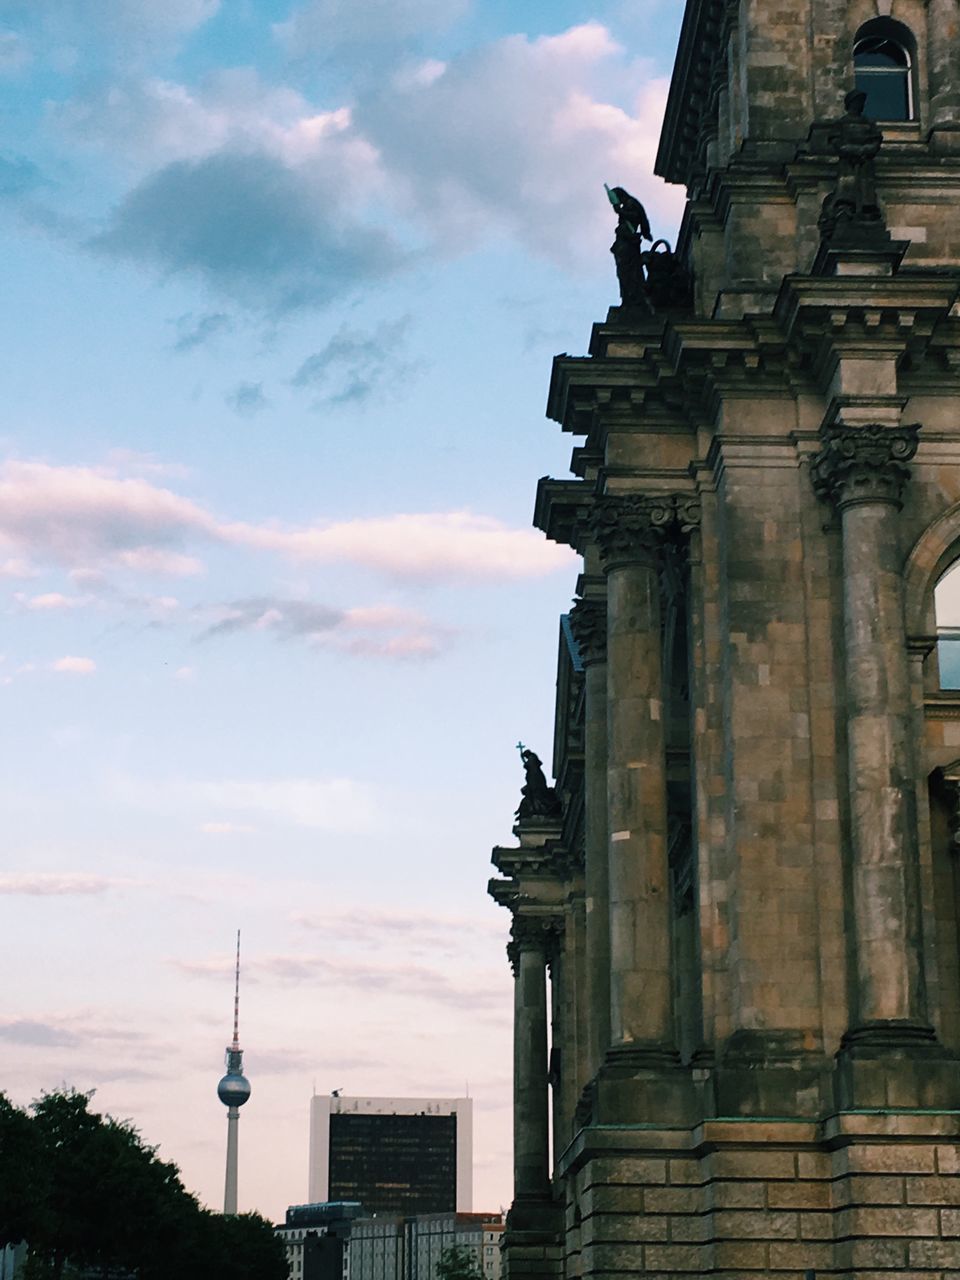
86	517
75	666
47	884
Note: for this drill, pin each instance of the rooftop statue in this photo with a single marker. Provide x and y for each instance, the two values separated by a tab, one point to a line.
852	208
650	279
633	227
538	799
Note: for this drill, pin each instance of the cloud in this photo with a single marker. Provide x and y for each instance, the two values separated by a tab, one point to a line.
47	884
14	53
279	205
29	1031
225	828
50	601
460	150
437	985
18	177
324	28
75	666
431	546
14	568
158	560
197	331
354	365
381	927
247	399
372	631
327	804
90	519
111	28
270	236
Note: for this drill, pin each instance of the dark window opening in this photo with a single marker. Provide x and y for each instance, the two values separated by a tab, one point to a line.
883	70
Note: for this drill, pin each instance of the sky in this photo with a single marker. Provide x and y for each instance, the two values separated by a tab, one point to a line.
282	281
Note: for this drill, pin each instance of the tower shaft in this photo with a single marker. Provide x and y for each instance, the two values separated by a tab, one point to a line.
233	1148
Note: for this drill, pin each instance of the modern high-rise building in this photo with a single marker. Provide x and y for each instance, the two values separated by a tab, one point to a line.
394	1155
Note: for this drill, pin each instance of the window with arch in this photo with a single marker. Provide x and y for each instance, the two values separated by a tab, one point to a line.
883	65
947	598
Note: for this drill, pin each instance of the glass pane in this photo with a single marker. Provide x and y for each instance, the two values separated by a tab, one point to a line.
886	94
948	653
877	52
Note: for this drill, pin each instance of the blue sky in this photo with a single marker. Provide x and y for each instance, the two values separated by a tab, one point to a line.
282	284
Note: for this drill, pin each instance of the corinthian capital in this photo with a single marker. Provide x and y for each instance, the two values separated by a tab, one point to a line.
533	933
588	622
863	464
633	529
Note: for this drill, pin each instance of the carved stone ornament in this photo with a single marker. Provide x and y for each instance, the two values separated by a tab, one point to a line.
588	622
864	464
633	529
534	933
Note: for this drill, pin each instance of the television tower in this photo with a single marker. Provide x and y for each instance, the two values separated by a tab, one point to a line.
233	1091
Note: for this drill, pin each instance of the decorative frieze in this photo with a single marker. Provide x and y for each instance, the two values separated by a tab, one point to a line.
588	622
634	528
864	464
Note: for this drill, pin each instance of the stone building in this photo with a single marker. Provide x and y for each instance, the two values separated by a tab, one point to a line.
736	924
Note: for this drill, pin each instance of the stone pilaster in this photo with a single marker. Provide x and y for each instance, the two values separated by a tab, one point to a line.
588	619
863	469
631	533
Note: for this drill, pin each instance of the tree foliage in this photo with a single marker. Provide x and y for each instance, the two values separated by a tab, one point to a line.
92	1200
458	1263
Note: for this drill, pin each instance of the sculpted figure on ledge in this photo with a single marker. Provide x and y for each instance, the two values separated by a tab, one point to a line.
650	279
538	799
852	208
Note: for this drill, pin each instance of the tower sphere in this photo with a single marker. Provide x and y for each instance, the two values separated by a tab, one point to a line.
234	1089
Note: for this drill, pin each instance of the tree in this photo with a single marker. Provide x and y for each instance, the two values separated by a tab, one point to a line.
22	1189
458	1263
99	1204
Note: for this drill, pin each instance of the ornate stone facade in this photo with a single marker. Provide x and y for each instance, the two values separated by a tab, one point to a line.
753	883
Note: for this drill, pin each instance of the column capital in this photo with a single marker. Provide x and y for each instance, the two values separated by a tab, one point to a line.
863	464
588	622
633	528
534	933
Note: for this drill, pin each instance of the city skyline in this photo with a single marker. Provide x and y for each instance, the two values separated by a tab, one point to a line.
283	283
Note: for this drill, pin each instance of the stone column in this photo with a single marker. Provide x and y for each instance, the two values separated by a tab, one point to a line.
588	619
863	469
630	533
528	958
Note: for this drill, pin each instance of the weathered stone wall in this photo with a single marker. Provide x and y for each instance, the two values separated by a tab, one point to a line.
864	1196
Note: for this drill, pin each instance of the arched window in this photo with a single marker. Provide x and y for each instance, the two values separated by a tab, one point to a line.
883	68
947	596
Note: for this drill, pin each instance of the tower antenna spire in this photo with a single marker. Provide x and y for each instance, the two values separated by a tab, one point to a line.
233	1091
236	1000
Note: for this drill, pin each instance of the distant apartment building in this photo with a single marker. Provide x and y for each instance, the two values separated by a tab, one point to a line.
331	1242
396	1156
410	1248
315	1237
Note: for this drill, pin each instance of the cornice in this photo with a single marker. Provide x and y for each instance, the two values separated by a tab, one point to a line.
559	509
696	74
